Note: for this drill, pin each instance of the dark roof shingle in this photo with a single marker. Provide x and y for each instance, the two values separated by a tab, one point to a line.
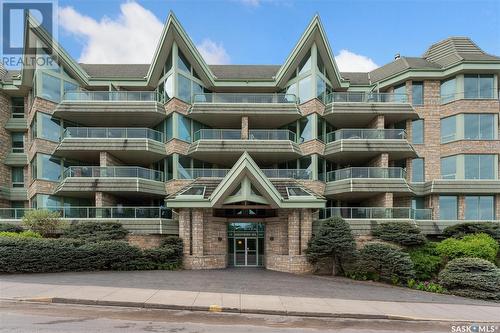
238	72
133	71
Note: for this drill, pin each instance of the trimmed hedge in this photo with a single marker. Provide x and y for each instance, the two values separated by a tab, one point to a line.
9	227
22	234
387	262
402	233
58	255
95	231
475	245
472	277
426	261
462	229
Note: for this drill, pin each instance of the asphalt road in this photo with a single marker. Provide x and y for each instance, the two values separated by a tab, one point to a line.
58	318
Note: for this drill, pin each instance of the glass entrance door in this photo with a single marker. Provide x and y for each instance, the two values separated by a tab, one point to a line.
245	251
245	244
251	252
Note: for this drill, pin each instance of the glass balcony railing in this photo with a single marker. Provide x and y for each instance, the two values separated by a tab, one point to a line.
375	213
288	173
366	97
113	172
194	173
217	134
366	134
365	172
113	133
244	98
271	135
112	96
95	212
470	94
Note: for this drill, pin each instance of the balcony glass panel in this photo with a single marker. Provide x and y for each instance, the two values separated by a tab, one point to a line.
134	96
375	213
366	134
366	97
113	133
217	134
121	171
366	172
271	135
245	98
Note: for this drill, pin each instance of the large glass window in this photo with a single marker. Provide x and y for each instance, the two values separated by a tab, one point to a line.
479	166
169	128
184	88
479	208
51	87
400	93
478	86
183	63
449	167
17	142
417	93
417	131
448	129
50	127
448	90
306	128
417	170
448	207
320	88
184	127
48	167
479	126
17	177
305	89
305	64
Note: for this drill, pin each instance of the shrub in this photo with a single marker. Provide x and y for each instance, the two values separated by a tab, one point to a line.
95	231
42	221
114	255
475	245
402	233
430	287
9	227
471	277
387	262
163	257
462	229
175	243
23	234
334	241
426	261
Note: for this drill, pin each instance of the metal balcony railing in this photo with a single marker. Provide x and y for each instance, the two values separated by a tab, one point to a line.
287	173
113	133
244	98
112	96
113	172
194	173
365	134
366	97
470	94
217	134
365	172
271	135
375	213
95	212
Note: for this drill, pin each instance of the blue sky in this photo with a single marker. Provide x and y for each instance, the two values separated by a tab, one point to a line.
264	32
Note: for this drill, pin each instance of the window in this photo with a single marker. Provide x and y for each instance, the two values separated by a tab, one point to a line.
479	208
17	107
478	86
194	191
47	167
400	93
448	129
479	126
417	92
295	191
168	64
448	90
305	64
169	128
417	131
184	128
449	167
306	132
183	63
479	166
305	89
51	87
17	177
417	170
184	88
320	88
17	142
448	207
50	127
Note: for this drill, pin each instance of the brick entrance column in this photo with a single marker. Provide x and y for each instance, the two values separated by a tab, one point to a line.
306	229
293	232
197	235
244	128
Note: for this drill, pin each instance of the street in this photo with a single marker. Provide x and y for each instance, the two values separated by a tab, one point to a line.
26	317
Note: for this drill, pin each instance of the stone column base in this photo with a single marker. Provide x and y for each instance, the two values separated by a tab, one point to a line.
215	261
289	264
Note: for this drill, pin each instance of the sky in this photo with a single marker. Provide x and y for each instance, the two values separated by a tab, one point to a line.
363	34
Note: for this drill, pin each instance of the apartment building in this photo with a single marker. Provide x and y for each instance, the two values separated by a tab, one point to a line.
244	161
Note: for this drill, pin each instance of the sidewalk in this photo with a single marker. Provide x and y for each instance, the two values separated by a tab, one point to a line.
245	303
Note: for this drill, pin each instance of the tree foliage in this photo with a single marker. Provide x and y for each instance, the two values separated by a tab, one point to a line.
402	233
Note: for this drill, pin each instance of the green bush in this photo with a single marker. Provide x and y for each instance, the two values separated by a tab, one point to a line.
426	261
430	287
334	241
23	234
462	229
95	231
43	221
475	245
402	233
387	262
175	243
471	277
9	227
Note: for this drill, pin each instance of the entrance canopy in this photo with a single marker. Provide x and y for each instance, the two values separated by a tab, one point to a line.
245	185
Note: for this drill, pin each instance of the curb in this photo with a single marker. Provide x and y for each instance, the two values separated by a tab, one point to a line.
220	309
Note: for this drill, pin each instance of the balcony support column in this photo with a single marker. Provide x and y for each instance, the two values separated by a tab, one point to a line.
461	207
103	199
378	122
381	161
106	159
244	128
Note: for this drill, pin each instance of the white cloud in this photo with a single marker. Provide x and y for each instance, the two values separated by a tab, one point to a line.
348	61
251	3
213	53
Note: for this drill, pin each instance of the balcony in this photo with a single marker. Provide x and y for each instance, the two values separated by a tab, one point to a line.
223	146
82	181
489	94
221	173
17	122
137	220
138	146
362	145
457	186
365	182
112	108
279	109
375	213
362	107
16	159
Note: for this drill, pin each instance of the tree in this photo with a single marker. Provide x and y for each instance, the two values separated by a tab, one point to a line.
42	221
333	241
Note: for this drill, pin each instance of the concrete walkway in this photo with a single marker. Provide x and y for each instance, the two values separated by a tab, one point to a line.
247	303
